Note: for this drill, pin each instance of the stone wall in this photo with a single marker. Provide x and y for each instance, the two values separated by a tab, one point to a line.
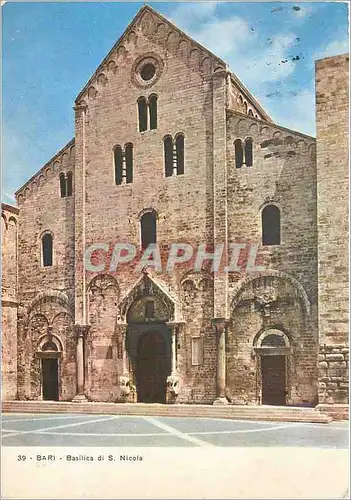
283	173
332	113
9	221
42	209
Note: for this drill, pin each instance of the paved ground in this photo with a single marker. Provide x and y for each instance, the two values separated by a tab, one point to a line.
107	430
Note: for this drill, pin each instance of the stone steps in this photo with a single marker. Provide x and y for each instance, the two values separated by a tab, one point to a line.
235	412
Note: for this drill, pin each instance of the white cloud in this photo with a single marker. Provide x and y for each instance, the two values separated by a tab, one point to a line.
299	114
235	41
333	49
271	63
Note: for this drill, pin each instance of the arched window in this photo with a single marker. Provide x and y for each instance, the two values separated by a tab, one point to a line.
271	225
69	184
142	110
250	112
62	185
153	112
168	152
148	229
239	153
46	243
248	152
129	162
180	154
118	164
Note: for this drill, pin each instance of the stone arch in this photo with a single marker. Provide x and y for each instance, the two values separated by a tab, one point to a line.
44	339
267	332
147	210
4	221
301	292
92	92
56	295
146	286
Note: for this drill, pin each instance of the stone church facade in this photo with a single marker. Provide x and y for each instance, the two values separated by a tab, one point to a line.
170	147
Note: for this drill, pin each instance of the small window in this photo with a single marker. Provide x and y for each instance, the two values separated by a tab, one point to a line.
153	112
62	185
168	153
69	184
118	164
148	229
248	152
149	309
196	351
180	153
271	225
250	112
129	162
47	250
142	110
239	153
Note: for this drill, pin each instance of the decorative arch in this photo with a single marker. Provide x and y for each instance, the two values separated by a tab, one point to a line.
302	294
263	339
60	297
48	339
146	286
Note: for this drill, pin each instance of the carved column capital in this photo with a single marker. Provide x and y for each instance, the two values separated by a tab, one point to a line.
219	324
81	330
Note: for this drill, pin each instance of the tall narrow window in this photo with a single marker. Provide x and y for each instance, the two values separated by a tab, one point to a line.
239	153
248	152
69	183
149	309
142	110
271	225
118	164
180	153
148	229
47	250
129	162
62	185
168	150
153	112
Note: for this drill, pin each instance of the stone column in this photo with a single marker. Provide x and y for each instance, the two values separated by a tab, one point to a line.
81	331
175	167
124	378
220	325
173	378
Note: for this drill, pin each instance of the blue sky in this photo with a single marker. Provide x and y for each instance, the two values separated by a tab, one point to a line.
50	50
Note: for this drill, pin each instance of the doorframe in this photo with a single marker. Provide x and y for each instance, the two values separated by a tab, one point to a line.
151	328
50	355
274	351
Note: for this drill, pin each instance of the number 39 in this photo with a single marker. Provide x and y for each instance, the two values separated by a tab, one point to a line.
21	458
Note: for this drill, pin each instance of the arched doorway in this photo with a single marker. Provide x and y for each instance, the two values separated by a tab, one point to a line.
152	368
273	348
49	354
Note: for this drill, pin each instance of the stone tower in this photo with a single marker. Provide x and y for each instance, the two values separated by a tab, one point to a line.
332	113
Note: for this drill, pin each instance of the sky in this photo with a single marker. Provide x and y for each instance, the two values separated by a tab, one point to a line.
50	50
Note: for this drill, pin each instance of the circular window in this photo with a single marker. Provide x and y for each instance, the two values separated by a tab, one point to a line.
147	71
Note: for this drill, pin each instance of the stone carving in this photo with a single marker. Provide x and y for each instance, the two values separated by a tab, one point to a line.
124	385
264	302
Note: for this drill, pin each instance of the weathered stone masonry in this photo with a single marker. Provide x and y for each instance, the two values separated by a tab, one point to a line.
272	336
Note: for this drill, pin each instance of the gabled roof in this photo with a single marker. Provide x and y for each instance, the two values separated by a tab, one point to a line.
141	11
47	164
139	14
